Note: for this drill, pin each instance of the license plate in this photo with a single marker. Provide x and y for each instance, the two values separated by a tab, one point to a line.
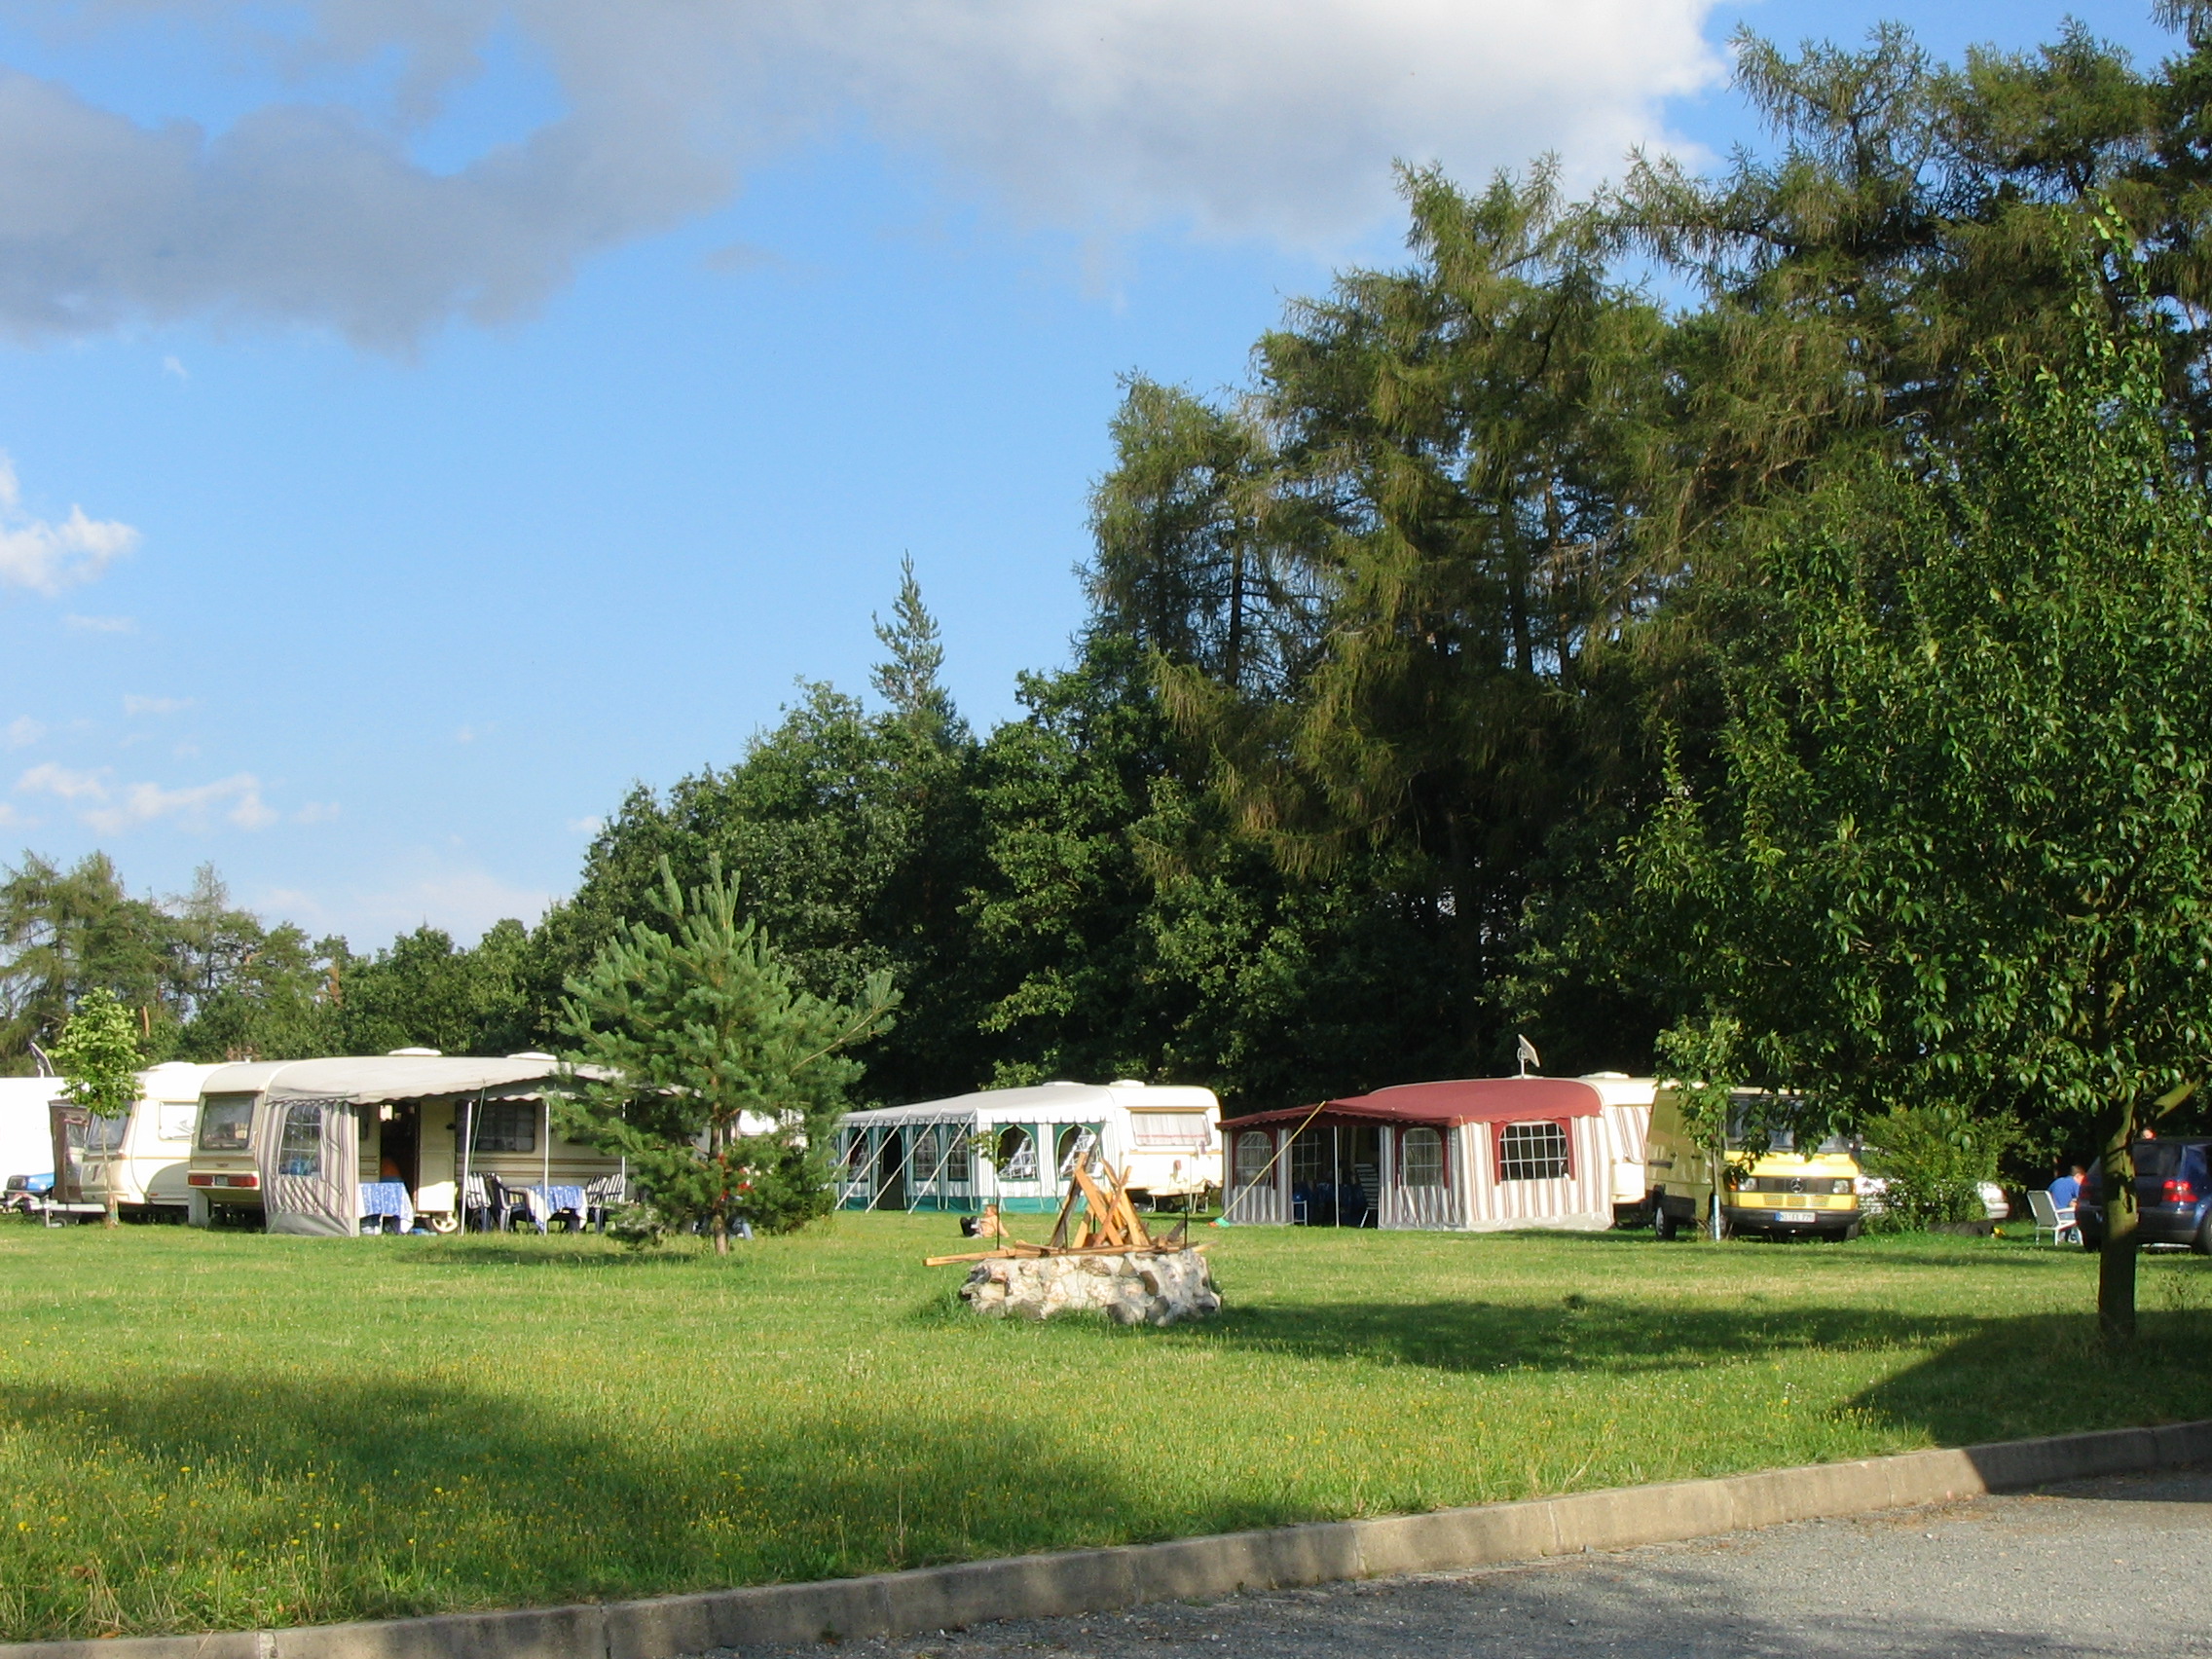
1793	1215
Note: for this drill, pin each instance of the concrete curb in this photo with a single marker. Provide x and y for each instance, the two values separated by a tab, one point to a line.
1091	1581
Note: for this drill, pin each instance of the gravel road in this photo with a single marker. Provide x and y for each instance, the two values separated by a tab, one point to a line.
2012	1577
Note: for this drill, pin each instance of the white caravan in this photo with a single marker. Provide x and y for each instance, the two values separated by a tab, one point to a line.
144	1152
294	1143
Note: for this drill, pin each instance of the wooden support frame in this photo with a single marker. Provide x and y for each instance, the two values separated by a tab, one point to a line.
1109	1226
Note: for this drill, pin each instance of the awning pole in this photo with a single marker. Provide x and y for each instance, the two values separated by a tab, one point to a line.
468	1147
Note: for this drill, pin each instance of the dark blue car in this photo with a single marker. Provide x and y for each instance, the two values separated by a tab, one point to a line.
2173	1191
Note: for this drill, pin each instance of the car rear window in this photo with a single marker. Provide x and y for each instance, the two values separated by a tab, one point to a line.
2162	1160
226	1123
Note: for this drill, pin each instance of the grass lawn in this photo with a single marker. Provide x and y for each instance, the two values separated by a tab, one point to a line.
215	1431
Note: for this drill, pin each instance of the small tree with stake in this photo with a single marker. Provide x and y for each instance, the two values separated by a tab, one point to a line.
709	1068
97	1057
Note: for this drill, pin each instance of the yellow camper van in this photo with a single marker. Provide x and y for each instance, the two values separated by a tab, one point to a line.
1776	1187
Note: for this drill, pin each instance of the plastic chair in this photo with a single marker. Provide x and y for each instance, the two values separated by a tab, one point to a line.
2050	1219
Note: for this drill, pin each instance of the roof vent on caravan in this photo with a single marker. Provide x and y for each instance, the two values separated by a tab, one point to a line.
1125	1082
415	1054
531	1054
1062	1083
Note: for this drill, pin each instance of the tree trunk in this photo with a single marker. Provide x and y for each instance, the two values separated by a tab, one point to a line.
114	1216
2115	1258
722	1232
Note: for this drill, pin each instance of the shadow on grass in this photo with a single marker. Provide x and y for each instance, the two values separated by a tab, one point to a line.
1895	1249
557	1251
457	1495
1969	1378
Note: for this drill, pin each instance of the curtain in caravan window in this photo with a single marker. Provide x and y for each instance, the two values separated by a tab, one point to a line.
311	1171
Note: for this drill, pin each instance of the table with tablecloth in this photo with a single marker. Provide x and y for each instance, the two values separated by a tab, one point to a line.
546	1203
388	1198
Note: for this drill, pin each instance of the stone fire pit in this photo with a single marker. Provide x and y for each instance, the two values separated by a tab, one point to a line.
1141	1288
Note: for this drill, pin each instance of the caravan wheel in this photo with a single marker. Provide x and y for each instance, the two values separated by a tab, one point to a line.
1662	1224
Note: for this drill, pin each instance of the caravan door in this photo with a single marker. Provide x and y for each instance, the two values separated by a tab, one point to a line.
310	1155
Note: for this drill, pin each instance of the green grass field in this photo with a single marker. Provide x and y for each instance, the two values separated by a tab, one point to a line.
222	1431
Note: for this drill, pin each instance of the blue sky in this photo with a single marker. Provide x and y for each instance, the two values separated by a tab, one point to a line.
470	409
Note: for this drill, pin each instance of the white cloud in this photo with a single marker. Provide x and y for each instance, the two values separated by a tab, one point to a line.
47	778
43	556
100	624
1276	118
24	731
173	365
110	808
463	901
156	705
11	819
317	812
591	826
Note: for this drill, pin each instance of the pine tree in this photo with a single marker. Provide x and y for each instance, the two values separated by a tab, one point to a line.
702	1062
908	680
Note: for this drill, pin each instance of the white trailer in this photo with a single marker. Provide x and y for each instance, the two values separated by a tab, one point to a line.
144	1154
1627	1114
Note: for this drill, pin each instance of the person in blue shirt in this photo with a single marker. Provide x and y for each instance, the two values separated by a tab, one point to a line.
2066	1188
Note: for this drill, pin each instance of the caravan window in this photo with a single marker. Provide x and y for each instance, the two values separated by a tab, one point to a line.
1424	1156
300	1152
1531	1152
173	1120
506	1126
226	1123
1181	1129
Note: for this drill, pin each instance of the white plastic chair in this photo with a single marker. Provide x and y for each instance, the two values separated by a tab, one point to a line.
2050	1219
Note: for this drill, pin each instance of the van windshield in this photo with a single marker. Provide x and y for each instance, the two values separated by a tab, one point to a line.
1780	1137
97	1134
226	1123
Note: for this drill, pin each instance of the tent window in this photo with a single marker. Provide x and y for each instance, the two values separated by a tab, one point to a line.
1070	1139
1531	1152
300	1152
1018	1154
1254	1147
1308	1159
856	1152
506	1126
956	1156
1423	1154
225	1124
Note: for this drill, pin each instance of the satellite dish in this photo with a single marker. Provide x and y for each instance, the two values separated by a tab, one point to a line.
1525	1052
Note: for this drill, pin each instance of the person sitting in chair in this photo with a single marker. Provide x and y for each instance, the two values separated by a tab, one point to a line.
2066	1188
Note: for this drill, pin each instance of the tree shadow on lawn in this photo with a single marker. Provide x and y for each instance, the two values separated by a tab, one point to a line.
1975	1377
460	1495
1892	1250
560	1250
